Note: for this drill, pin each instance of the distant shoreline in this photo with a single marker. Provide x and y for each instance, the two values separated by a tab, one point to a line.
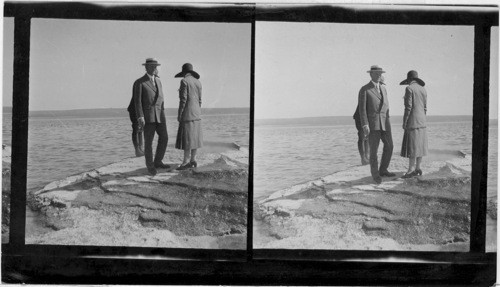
121	112
348	120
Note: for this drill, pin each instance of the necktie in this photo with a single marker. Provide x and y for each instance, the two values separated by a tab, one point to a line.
380	91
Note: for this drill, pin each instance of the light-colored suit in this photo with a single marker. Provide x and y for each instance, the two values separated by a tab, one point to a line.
148	100
374	107
415	106
374	112
189	99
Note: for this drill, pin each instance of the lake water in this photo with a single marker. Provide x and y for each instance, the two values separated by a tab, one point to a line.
291	152
63	146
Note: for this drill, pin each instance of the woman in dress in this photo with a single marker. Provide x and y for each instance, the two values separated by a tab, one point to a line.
189	135
414	123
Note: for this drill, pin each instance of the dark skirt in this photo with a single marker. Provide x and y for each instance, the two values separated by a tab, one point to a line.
414	143
189	135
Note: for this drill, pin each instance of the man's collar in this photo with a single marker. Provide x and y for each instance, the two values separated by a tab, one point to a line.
375	84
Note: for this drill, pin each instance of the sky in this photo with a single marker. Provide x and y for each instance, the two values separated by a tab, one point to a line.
317	69
307	69
84	64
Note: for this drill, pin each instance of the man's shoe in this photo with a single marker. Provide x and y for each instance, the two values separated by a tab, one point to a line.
161	165
378	179
387	173
152	171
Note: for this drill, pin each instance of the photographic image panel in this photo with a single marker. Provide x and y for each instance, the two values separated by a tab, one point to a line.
138	134
400	178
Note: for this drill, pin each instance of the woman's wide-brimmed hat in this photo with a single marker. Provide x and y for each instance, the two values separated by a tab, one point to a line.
187	68
151	61
375	68
412	76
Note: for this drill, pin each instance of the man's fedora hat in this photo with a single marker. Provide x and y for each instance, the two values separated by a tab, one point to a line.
412	75
151	61
187	68
375	68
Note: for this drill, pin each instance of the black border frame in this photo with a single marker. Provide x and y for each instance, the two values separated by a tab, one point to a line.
115	265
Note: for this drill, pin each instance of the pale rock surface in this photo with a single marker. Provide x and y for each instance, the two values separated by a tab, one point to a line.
122	205
348	210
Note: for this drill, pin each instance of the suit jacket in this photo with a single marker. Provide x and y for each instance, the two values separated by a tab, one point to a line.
415	106
148	100
374	107
189	99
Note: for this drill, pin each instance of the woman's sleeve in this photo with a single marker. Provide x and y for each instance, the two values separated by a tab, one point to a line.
408	105
425	103
182	99
200	95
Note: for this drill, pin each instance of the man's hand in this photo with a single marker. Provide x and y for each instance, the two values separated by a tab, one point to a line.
366	130
141	122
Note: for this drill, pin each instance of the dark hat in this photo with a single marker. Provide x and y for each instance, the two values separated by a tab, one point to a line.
187	68
151	61
375	68
412	75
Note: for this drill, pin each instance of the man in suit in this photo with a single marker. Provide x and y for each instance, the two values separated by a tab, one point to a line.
374	115
150	111
363	144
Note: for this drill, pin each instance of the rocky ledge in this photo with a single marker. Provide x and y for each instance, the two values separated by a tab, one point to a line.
121	205
347	210
6	160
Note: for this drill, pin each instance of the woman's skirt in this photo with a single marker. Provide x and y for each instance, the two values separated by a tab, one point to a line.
189	135
414	143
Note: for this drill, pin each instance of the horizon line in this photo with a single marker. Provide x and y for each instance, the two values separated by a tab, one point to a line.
310	117
124	108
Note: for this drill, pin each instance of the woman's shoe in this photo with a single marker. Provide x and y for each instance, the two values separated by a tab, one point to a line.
193	163
418	171
410	174
183	167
